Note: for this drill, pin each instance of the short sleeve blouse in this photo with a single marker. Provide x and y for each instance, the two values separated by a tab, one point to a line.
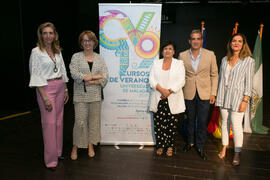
41	68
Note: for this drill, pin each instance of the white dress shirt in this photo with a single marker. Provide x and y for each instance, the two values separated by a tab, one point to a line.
41	68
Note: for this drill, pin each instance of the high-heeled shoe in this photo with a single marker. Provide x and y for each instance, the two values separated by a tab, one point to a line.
202	153
91	153
51	168
91	150
236	159
187	147
61	158
74	155
221	155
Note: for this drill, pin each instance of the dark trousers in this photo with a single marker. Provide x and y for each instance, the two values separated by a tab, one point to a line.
165	125
197	109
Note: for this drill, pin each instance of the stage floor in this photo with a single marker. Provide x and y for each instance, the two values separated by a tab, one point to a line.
21	157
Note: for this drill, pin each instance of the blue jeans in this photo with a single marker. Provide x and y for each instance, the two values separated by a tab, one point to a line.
197	108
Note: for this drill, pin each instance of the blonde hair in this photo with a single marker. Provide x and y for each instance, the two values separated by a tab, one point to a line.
91	35
244	52
55	44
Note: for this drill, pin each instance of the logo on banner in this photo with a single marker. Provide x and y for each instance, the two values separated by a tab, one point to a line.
145	40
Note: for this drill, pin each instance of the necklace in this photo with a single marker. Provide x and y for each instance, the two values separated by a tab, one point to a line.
55	69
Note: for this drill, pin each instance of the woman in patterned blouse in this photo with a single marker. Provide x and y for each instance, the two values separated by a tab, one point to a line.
90	74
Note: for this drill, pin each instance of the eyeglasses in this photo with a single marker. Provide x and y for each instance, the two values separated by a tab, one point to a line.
86	41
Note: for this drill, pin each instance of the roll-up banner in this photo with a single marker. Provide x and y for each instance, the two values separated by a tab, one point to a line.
129	42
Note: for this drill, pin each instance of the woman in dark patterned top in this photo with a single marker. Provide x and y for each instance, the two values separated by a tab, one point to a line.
90	74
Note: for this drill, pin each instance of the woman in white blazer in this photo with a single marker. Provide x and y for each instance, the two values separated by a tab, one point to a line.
234	91
167	78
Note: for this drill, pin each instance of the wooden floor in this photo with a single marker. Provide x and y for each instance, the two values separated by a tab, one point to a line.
21	157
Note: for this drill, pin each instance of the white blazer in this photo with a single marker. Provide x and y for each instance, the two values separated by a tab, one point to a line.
176	82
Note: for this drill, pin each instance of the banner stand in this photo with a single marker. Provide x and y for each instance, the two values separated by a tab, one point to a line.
129	42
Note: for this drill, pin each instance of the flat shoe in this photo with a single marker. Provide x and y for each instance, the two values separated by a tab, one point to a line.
159	151
169	152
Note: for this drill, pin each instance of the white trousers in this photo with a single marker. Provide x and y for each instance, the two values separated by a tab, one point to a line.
236	120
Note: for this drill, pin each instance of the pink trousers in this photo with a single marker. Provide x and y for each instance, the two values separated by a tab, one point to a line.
52	122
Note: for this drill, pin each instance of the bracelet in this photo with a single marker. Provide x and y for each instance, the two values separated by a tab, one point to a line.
66	90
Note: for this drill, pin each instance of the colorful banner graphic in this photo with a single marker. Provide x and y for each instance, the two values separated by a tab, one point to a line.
129	42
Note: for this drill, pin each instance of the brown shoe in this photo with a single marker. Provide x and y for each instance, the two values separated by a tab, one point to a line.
159	151
236	159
